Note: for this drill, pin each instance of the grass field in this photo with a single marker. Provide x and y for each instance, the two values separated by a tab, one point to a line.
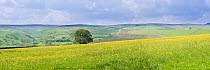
177	53
170	33
150	27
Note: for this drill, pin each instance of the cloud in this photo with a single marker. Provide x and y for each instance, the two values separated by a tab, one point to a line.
207	3
30	16
16	3
91	5
6	12
131	4
3	1
175	10
34	4
55	16
204	18
99	11
19	15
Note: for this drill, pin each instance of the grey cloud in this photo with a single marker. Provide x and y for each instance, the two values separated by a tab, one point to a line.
104	10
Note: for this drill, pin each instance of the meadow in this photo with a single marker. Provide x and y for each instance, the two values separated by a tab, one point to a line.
171	33
177	53
170	30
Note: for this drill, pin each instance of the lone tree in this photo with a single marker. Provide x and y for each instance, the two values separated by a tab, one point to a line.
82	36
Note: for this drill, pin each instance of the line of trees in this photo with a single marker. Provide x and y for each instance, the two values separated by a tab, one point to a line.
80	36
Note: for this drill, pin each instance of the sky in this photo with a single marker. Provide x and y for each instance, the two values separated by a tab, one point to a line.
103	12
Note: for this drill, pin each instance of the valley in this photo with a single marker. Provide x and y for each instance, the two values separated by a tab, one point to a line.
54	35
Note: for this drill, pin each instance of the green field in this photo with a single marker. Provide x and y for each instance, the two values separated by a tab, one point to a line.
172	53
48	35
10	38
42	34
171	33
149	27
170	30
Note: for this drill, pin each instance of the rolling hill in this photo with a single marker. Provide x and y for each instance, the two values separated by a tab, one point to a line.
12	38
41	35
182	52
171	33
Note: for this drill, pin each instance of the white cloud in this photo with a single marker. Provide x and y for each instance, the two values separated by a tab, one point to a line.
55	16
106	9
7	12
148	20
159	19
30	16
91	5
62	11
131	4
168	1
204	19
16	3
207	3
138	7
3	1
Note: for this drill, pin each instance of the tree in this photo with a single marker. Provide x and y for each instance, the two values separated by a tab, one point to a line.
1	42
82	36
48	42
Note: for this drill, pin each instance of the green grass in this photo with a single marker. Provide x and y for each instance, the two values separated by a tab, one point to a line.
173	53
61	43
149	27
101	36
12	38
170	33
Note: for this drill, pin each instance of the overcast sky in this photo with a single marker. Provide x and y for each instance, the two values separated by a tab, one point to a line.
103	11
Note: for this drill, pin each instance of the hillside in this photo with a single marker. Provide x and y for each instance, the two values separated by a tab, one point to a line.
183	52
171	33
10	38
169	30
55	35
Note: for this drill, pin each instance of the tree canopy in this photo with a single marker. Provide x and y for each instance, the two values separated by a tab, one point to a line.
82	36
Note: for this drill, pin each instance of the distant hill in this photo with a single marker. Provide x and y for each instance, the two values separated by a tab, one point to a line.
13	35
70	25
11	38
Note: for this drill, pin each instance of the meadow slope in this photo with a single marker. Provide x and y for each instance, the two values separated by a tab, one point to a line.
183	52
171	33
